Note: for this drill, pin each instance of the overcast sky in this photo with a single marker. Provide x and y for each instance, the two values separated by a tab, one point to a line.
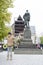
35	8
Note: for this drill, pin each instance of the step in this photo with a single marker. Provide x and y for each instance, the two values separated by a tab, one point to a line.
25	43
27	46
27	51
26	40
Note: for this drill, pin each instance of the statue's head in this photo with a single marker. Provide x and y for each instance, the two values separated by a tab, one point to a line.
27	11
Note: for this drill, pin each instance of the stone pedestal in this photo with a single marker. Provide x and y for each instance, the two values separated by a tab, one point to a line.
27	33
26	42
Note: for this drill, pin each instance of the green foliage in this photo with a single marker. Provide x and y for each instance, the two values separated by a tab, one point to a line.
5	16
41	38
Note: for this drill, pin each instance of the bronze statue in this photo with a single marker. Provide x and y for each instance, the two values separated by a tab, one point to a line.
26	18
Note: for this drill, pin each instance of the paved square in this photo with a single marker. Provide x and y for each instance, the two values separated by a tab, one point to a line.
21	59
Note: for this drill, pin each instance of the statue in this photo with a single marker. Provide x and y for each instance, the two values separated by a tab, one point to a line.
26	41
27	32
26	18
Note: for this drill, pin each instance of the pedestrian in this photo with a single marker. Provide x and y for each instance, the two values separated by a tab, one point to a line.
10	39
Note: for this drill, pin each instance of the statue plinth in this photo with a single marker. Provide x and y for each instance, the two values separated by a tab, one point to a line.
27	33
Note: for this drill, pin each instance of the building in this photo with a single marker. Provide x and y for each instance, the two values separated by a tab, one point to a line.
33	34
18	26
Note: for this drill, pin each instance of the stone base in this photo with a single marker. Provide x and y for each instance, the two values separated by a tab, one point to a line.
27	51
27	33
26	43
27	46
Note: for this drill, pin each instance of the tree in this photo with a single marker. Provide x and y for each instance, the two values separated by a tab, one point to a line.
5	16
41	38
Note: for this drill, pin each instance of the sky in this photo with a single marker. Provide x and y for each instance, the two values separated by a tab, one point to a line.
34	7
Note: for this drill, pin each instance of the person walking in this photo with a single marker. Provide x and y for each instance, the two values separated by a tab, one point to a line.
10	39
